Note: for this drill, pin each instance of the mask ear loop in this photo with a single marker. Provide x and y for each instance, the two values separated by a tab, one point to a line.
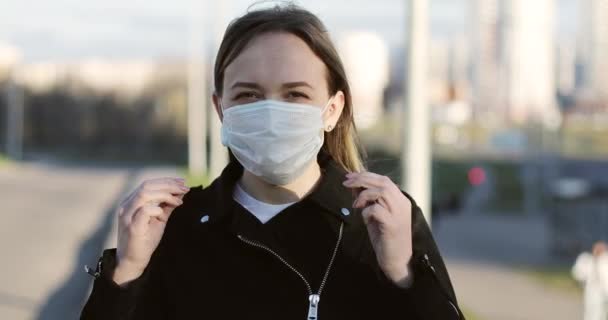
221	107
328	127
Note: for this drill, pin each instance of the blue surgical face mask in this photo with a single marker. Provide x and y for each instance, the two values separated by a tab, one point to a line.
274	140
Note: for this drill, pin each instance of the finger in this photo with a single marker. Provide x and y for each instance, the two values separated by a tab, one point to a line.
142	216
156	198
177	179
126	203
163	184
150	197
167	208
366	180
372	195
376	213
172	188
170	185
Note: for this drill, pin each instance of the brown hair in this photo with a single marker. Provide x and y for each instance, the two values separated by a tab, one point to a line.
342	143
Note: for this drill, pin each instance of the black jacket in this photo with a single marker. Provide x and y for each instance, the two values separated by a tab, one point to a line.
216	269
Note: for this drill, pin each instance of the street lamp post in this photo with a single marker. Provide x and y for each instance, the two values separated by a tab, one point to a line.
416	141
197	102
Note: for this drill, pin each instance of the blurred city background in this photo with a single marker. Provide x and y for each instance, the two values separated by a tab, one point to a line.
96	96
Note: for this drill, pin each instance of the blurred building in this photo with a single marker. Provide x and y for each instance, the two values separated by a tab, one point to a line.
366	59
10	56
530	64
41	76
90	105
487	54
514	61
439	71
449	90
566	68
448	72
459	74
122	78
593	48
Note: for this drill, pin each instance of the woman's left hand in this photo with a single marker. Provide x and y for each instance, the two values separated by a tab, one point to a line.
388	216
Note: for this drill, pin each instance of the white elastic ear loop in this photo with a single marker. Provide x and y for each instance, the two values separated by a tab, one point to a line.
222	110
326	106
324	109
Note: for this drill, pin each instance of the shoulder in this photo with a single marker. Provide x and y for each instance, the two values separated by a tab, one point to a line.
422	238
419	223
197	202
584	258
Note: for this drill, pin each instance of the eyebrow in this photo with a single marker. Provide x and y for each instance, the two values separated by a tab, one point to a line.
253	85
296	84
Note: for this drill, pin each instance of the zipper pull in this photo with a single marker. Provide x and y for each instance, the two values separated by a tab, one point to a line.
313	306
427	262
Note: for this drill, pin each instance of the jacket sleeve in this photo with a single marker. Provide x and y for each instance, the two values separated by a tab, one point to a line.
431	289
143	298
140	299
146	297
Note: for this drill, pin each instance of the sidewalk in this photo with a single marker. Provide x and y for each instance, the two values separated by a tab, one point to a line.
499	293
482	253
56	219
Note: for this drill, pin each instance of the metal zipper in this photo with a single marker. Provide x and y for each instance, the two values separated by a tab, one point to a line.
94	273
427	263
313	299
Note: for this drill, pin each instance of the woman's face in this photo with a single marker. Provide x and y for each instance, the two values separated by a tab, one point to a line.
278	66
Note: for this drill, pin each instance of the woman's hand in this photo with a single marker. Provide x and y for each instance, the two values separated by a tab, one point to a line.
142	217
388	216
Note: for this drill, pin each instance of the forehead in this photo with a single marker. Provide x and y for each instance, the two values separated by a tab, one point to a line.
275	58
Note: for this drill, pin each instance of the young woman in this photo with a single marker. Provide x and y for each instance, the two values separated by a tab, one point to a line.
294	227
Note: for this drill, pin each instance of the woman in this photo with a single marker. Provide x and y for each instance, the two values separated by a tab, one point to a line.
294	226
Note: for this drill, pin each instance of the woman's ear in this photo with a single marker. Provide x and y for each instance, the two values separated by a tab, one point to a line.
218	106
334	111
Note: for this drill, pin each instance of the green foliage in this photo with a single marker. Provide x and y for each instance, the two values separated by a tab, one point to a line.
557	278
194	180
4	160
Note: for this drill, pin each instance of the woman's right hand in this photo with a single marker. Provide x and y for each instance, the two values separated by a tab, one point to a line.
142	218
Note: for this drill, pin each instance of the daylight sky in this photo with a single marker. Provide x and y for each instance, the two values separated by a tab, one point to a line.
71	29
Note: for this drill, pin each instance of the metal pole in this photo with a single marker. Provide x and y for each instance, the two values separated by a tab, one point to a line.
219	153
197	101
15	118
416	148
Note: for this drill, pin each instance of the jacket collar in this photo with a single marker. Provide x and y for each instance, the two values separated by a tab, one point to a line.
329	193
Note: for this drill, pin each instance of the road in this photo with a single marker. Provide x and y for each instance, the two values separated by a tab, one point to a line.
57	218
485	255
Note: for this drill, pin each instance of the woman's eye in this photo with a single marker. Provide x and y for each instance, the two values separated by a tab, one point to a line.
247	96
297	95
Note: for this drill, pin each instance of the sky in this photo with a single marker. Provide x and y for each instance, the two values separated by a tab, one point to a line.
72	29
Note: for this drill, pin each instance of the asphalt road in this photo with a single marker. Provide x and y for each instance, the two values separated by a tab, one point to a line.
55	219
